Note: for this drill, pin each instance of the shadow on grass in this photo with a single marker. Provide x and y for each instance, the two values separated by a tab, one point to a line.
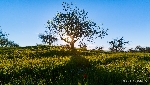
60	53
79	71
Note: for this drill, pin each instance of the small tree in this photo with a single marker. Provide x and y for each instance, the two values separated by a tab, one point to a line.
142	49
99	48
3	39
117	45
138	48
4	42
148	49
131	50
83	46
73	23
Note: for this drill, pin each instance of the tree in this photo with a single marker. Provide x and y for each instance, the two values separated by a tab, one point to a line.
4	42
131	50
3	39
73	23
49	39
142	49
117	45
82	46
99	48
148	49
12	44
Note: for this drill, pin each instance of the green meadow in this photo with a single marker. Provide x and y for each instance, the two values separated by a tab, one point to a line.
45	65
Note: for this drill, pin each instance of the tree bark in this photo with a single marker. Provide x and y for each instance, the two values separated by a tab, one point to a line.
72	45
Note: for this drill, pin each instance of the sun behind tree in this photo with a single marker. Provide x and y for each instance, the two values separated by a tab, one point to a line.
75	24
68	38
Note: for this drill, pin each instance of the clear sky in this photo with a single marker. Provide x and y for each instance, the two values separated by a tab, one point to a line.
25	19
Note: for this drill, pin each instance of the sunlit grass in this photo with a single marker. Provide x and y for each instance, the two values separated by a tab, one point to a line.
36	66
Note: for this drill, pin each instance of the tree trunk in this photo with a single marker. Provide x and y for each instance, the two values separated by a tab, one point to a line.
72	45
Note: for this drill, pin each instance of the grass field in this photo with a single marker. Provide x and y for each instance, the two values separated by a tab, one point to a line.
60	66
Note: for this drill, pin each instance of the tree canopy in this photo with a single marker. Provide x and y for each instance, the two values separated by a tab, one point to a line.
74	23
117	45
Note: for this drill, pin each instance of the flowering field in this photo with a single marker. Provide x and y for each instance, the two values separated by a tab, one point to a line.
59	66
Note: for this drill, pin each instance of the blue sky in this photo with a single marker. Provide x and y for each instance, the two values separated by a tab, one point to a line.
25	19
